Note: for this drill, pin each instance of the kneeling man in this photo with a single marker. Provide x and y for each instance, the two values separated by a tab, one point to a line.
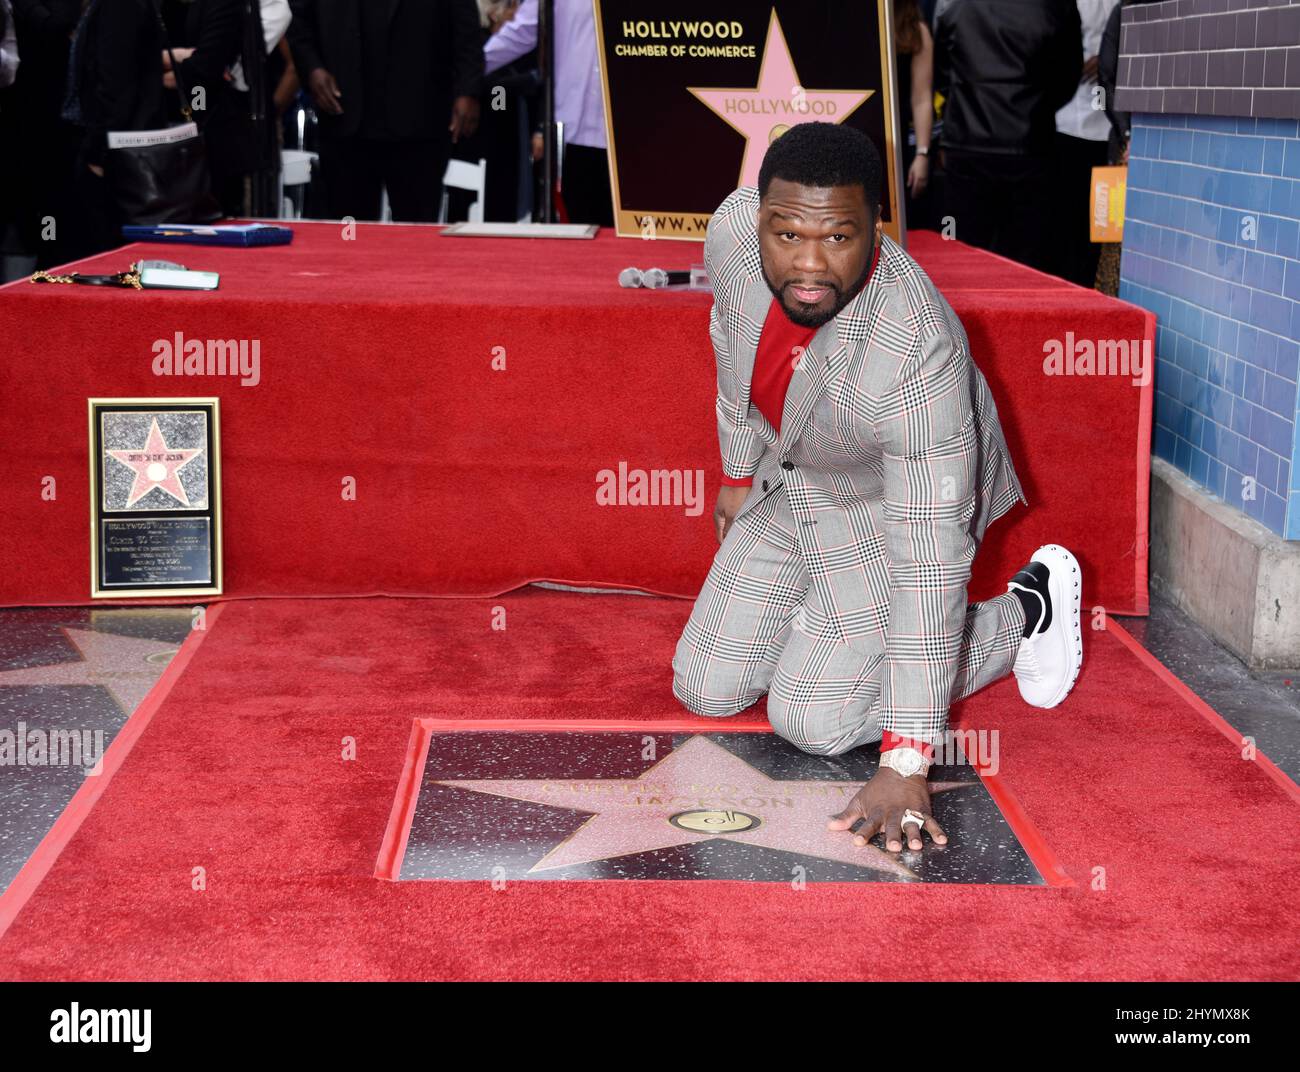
862	460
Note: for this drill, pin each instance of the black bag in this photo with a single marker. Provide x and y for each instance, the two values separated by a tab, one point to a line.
167	182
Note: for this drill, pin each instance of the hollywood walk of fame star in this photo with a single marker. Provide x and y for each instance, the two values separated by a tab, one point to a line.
764	112
633	815
127	666
156	466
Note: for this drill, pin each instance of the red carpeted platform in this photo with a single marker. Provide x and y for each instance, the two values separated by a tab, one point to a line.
377	363
1183	855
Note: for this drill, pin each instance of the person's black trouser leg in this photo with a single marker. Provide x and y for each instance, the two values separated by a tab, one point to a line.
1075	159
48	195
413	172
585	185
94	219
353	181
970	200
1002	203
1030	209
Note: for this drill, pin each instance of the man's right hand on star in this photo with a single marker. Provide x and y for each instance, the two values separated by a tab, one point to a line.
881	804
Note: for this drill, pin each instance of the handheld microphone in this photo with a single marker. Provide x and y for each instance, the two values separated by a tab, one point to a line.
657	278
630	277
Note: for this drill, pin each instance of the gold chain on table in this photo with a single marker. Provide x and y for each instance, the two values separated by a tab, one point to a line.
129	278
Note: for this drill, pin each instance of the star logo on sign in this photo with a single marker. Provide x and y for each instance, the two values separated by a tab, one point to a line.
156	466
698	792
766	111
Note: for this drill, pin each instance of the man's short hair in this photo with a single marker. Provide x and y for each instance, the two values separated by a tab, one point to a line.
824	154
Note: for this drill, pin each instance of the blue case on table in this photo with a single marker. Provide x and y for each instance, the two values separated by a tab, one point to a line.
230	234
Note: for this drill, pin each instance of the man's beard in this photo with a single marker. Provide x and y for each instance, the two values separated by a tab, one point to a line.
816	319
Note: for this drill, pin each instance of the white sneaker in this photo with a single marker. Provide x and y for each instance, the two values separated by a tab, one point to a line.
1048	660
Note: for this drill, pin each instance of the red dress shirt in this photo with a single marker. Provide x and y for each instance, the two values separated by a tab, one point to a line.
780	348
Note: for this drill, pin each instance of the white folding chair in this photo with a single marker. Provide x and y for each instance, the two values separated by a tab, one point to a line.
295	171
462	175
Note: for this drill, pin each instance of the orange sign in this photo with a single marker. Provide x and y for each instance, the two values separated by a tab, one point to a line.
1107	204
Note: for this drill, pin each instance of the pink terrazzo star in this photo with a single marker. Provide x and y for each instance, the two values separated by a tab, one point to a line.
779	101
127	666
633	815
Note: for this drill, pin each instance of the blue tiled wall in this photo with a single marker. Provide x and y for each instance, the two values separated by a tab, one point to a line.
1227	300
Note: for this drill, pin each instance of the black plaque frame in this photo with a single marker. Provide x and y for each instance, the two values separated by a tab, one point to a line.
211	514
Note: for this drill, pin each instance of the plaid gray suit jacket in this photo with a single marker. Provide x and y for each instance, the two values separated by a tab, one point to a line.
890	453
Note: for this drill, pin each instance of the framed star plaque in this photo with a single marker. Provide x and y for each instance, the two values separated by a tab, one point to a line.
696	90
155	497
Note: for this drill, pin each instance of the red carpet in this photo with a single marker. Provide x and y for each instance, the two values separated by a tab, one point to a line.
376	363
239	773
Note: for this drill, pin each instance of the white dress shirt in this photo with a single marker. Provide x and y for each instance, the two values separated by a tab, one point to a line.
578	101
276	17
8	48
1079	118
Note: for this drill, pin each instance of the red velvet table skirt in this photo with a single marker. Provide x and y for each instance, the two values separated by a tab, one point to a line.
481	392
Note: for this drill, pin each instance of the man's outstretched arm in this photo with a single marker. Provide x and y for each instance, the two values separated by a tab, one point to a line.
931	458
926	429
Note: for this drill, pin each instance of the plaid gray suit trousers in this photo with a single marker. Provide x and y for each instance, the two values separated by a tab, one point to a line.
757	628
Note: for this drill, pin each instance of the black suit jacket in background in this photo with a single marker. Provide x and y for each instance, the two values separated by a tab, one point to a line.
120	73
1005	67
435	54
